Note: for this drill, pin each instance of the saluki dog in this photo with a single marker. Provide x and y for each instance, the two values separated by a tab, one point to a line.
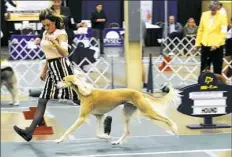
98	102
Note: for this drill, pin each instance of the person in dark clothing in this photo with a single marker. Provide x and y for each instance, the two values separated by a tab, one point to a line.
227	70
69	22
6	26
98	20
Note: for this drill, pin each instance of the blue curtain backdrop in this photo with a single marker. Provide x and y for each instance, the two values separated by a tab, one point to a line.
158	10
75	7
112	9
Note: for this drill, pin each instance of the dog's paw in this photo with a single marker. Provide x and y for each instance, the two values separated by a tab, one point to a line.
104	136
58	140
116	142
174	128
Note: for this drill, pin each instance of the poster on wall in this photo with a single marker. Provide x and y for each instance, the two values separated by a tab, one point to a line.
146	11
25	10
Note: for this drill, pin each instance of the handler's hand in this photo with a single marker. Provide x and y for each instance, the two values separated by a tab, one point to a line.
213	48
37	41
196	48
43	75
52	40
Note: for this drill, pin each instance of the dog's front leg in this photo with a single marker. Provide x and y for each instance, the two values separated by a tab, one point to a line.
79	121
100	132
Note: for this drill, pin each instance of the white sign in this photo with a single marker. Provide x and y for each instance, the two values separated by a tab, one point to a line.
208	103
206	95
209	110
212	102
146	11
29	6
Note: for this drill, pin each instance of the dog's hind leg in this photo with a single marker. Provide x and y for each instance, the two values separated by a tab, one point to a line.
100	131
128	111
12	88
168	121
149	111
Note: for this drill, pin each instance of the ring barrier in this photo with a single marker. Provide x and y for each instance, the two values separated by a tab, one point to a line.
27	62
179	63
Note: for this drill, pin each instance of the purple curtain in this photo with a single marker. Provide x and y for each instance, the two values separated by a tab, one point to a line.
112	10
158	10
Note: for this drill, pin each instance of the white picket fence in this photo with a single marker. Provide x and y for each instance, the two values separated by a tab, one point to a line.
184	65
28	68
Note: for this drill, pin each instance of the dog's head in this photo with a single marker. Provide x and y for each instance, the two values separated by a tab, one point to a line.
77	82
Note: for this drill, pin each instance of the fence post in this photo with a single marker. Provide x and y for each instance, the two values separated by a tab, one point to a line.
112	72
150	76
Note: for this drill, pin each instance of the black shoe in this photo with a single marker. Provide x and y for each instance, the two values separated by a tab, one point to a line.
107	125
144	85
26	136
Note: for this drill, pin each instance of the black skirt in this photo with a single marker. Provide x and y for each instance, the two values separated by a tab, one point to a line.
57	70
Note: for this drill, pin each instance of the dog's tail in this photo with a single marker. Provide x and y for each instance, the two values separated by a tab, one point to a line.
172	98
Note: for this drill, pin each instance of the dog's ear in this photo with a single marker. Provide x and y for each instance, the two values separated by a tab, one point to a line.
70	78
83	87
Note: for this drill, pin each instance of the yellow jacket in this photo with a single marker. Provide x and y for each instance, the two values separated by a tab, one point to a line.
216	34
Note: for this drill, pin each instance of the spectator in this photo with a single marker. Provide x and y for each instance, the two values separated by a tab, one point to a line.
98	20
6	26
228	48
174	29
190	29
211	38
190	32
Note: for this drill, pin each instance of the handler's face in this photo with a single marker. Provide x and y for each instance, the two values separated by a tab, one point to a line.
213	11
48	25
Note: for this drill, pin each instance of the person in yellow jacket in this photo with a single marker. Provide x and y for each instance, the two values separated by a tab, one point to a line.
211	37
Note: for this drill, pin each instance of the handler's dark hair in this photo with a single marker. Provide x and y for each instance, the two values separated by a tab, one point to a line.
50	15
